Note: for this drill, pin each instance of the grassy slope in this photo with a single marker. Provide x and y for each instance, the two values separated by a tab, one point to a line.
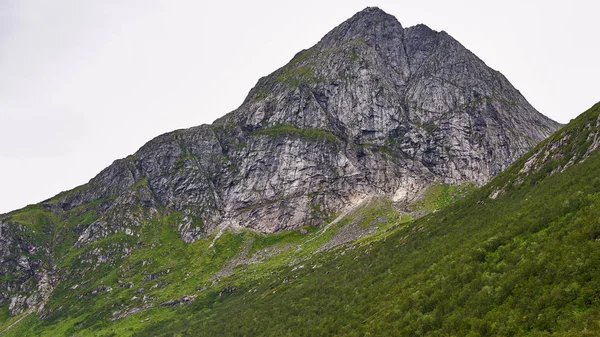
526	263
162	267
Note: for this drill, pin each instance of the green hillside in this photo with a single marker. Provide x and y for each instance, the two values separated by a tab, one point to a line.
518	257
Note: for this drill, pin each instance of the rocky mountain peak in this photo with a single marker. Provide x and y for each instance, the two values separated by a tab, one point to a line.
373	108
371	11
370	25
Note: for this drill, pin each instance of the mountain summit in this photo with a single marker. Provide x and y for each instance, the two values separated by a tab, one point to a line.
373	109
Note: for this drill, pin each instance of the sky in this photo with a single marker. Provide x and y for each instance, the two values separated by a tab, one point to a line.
87	82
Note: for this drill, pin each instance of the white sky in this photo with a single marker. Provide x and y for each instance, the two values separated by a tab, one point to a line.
87	82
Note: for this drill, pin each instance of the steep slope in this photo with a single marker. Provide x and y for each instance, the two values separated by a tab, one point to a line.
524	262
372	109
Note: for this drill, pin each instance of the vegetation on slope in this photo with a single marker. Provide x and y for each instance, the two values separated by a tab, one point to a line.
526	263
523	263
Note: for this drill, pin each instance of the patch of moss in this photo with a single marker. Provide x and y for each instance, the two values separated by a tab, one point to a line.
260	94
297	76
143	182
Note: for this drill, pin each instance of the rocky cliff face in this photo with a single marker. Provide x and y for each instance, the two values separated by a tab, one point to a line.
372	109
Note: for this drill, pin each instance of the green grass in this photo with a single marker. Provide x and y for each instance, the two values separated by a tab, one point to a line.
37	220
378	211
280	238
184	269
438	196
524	264
297	76
142	182
260	94
299	72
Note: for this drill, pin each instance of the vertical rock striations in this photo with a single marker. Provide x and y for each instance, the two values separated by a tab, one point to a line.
373	108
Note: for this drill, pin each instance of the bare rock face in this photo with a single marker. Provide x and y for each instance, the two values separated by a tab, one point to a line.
373	108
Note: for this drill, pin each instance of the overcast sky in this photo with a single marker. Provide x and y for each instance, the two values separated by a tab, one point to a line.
86	82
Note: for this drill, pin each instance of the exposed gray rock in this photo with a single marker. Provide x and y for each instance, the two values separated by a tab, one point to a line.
372	109
169	303
119	314
185	299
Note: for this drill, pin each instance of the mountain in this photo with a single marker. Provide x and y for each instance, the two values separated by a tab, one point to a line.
523	262
320	153
373	108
